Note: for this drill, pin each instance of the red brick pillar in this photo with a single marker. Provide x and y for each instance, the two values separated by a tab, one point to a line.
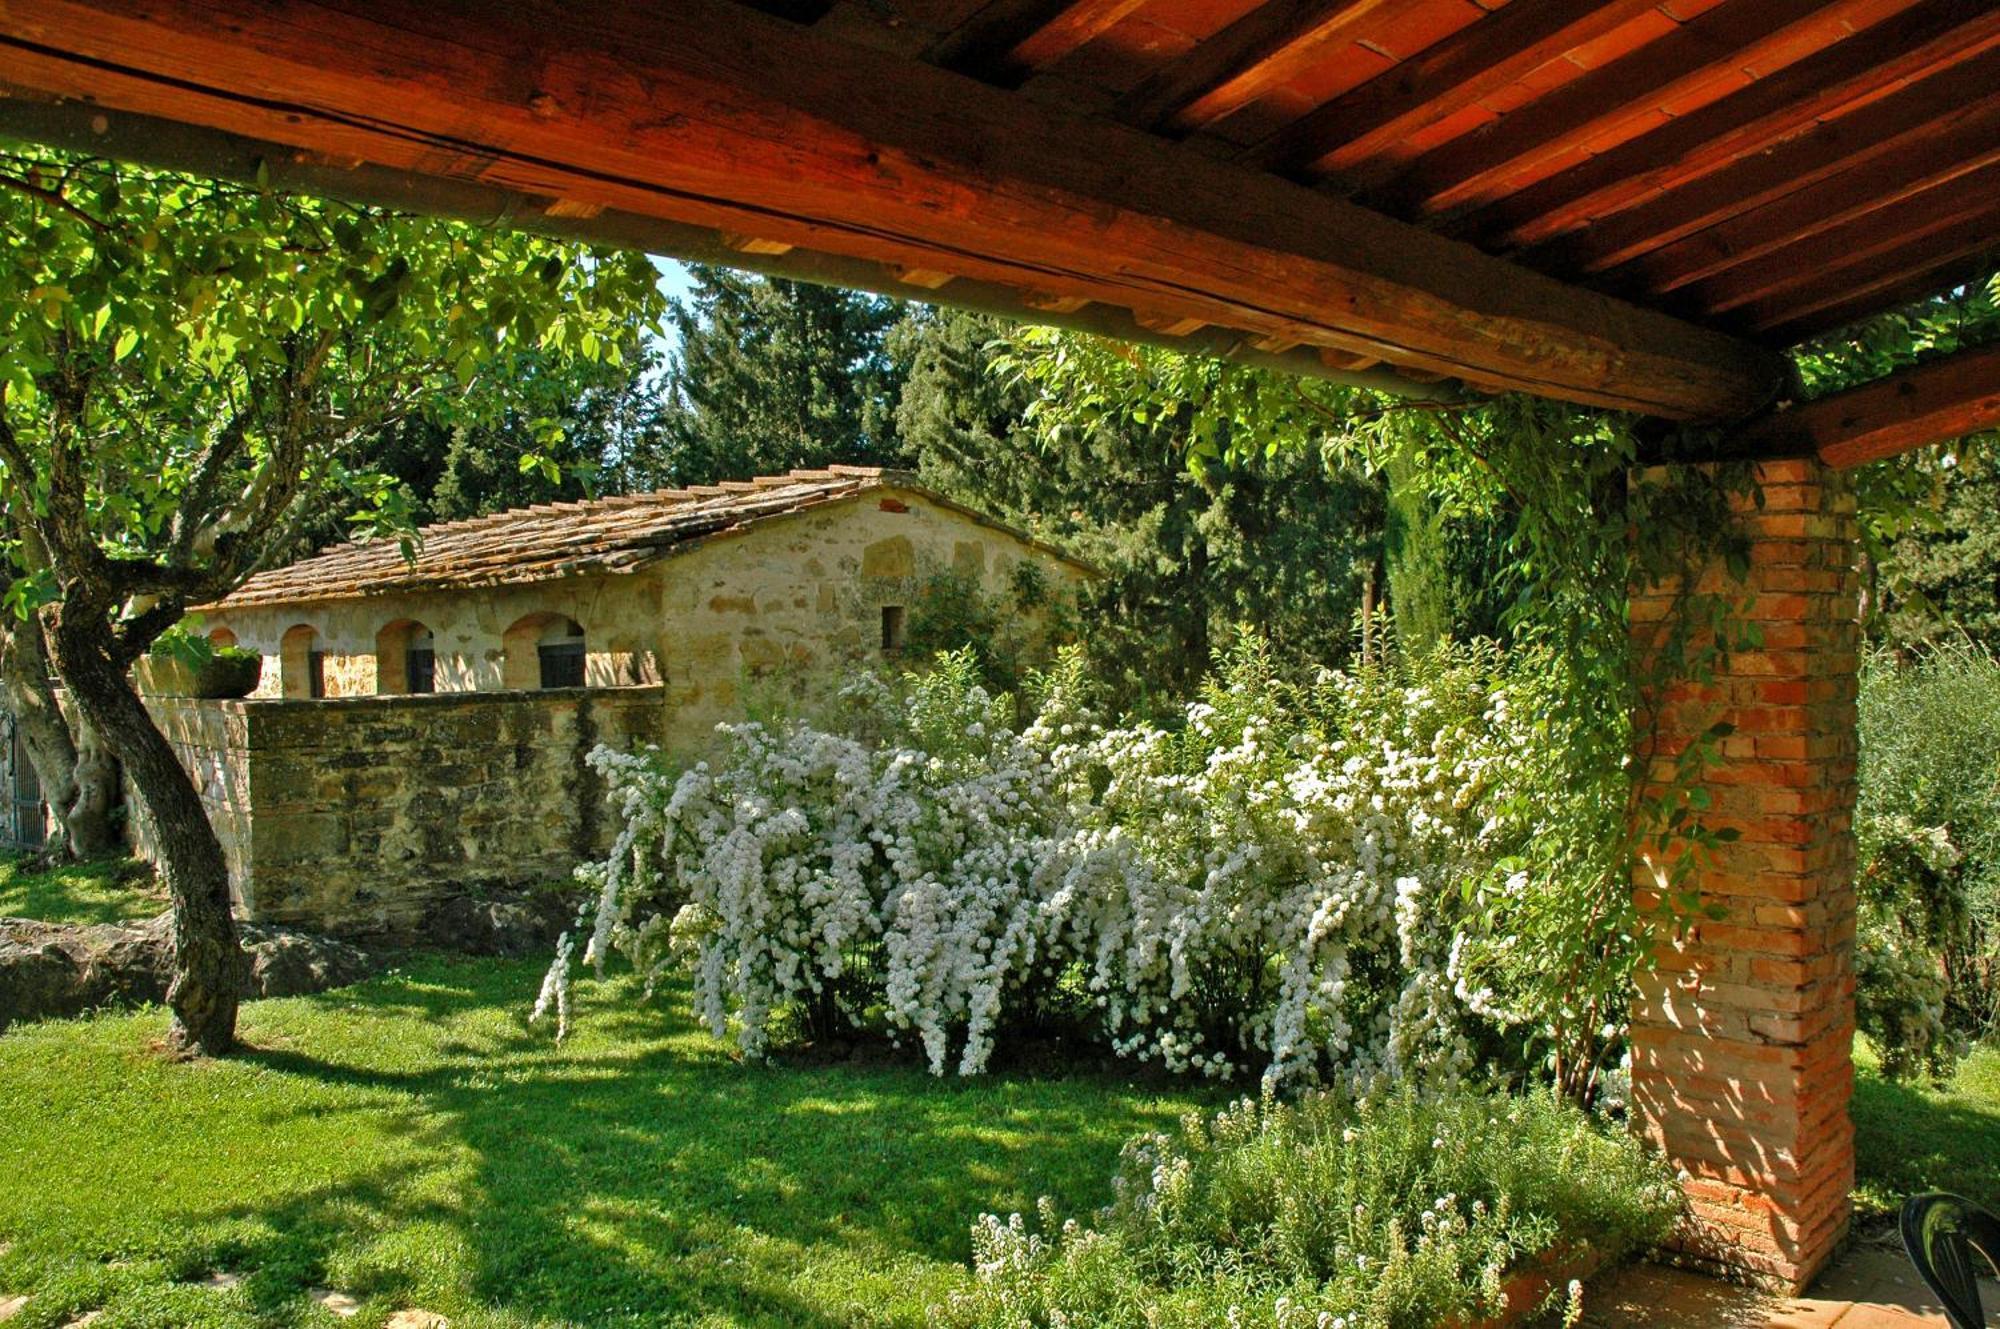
1741	1038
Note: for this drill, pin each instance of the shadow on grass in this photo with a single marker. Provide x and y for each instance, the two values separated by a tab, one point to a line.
108	890
645	1176
1912	1138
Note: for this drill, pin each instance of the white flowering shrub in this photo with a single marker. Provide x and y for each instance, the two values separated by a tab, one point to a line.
1392	1210
1288	883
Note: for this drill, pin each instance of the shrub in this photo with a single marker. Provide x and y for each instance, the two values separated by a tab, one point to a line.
1297	881
1928	826
1400	1210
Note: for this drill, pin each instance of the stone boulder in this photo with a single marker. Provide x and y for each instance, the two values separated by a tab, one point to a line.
54	969
513	924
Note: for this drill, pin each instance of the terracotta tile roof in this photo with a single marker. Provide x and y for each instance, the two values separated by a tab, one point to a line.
554	540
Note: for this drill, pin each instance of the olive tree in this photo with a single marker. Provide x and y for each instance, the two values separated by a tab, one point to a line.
192	372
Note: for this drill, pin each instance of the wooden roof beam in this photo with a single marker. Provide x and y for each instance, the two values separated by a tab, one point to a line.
1018	37
1965	143
1717	47
1820	263
1353	137
1885	132
1914	44
1263	50
856	152
1932	403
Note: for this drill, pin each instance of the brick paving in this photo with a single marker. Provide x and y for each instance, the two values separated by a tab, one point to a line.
1869	1287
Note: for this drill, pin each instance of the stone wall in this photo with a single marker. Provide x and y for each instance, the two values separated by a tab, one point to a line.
358	816
1742	1034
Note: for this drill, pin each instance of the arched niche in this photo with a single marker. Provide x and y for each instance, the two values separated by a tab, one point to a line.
544	650
405	658
301	663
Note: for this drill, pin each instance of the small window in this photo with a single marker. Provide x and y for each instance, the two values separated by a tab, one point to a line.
316	673
560	652
420	662
892	628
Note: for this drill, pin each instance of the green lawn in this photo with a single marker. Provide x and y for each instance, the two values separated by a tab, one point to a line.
1918	1138
106	891
410	1141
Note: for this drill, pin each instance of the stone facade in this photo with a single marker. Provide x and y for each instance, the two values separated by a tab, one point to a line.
1742	1035
359	816
790	601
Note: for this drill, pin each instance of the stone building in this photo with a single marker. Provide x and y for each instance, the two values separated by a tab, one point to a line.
420	725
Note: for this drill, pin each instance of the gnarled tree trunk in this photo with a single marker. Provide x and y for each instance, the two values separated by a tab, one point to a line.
78	778
204	993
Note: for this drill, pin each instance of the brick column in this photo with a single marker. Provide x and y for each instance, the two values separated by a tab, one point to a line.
1741	1038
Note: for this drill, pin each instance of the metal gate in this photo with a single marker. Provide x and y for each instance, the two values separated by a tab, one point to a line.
30	819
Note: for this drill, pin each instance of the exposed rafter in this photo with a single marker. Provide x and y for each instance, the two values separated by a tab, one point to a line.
1918	43
858	153
1934	403
1352	136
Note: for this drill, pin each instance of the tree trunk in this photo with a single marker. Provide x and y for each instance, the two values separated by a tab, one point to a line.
208	962
78	778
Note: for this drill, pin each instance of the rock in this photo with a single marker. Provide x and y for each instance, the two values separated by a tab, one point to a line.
506	924
338	1302
87	1318
220	1282
416	1320
51	970
12	1306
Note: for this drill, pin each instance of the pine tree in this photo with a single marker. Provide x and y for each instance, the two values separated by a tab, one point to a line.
774	374
1278	543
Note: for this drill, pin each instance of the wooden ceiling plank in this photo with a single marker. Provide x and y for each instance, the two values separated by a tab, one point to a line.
1011	39
1076	26
1917	288
860	154
1208	92
1342	136
1883	131
1920	41
1818	260
1954	150
1938	402
1476	168
1848	283
1264	49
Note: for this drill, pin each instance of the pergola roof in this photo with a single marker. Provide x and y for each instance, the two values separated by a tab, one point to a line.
1633	203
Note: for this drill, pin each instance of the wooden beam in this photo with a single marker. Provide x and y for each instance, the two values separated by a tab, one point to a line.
1711	53
1349	137
1966	207
1846	281
1964	143
1019	37
1934	403
1916	43
1917	288
1265	49
1884	131
711	114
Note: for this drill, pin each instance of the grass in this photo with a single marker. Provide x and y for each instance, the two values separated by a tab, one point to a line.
1912	1138
109	890
411	1142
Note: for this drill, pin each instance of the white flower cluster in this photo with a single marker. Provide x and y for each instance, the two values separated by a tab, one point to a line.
1242	892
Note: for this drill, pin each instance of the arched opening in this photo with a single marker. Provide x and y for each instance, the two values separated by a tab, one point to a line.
301	663
544	651
405	658
218	638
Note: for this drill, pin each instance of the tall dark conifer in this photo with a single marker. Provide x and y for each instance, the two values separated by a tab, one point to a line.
773	374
